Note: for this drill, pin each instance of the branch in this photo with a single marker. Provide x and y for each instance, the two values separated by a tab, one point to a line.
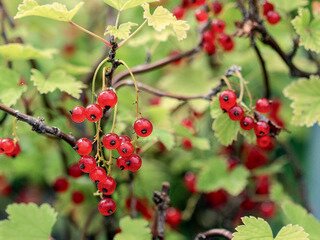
214	232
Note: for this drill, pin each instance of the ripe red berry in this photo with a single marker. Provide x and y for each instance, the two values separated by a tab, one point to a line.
273	17
173	217
261	128
216	7
111	141
199	2
236	113
247	123
7	145
83	146
208	37
61	184
87	164
209	48
218	26
97	174
263	105
107	206
133	163
124	138
77	197
201	15
264	141
187	144
227	99
143	127
262	185
78	114
268	209
155	101
125	149
267	7
190	181
107	98
217	198
255	158
74	171
16	151
178	12
248	204
93	112
226	42
188	123
107	185
121	163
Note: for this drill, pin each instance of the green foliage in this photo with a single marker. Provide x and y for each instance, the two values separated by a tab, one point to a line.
122	32
17	51
28	220
259	229
55	11
308	29
305	94
164	136
215	175
289	5
132	229
58	79
10	90
121	5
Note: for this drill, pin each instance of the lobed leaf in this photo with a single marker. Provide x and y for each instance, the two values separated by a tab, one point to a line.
121	5
132	229
122	32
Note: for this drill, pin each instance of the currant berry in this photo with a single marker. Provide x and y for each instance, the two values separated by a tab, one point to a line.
263	105
97	174
201	15
267	7
248	204
188	123
78	114
273	17
61	185
217	198
143	127
16	151
7	145
83	146
107	206
199	2
107	185
208	37
74	171
218	26
247	123
93	112
77	197
125	149
178	12
262	185
268	209
187	144
173	217
209	48
107	99
227	99
121	163
236	113
190	181
111	141
264	141
155	101
226	42
87	164
216	7
133	163
261	128
124	138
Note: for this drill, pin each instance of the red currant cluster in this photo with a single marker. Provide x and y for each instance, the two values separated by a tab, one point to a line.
228	103
127	160
9	147
269	13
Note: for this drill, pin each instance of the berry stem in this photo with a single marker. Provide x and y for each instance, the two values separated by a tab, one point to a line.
190	207
132	34
226	80
241	86
93	89
117	19
115	111
14	130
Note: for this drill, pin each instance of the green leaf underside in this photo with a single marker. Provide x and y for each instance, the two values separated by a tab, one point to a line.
132	229
122	32
121	5
57	80
10	90
28	222
55	11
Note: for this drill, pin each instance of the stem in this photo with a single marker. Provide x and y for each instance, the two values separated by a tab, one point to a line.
117	19
191	205
226	80
115	111
132	34
103	78
14	129
241	86
214	232
93	88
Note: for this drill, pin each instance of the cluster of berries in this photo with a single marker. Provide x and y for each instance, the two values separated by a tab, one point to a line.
127	160
228	103
9	147
269	13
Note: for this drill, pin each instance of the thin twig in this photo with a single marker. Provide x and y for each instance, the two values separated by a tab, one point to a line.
214	232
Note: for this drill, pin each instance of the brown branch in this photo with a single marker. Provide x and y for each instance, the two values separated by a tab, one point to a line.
214	232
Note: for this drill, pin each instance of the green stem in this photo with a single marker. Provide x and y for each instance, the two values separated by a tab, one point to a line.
117	19
132	34
95	77
115	111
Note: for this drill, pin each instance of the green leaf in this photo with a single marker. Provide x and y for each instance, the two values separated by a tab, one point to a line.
56	11
10	90
225	130
296	214
122	32
308	29
292	232
165	137
277	193
271	169
200	143
58	79
215	175
121	5
305	95
180	29
28	222
132	229
17	51
215	110
289	5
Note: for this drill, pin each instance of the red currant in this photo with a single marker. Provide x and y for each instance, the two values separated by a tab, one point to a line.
201	15
107	185
61	184
199	2
227	99
143	127
93	112
83	146
247	123
226	42
261	128
107	206
111	141
273	17
121	163
187	123
268	209
125	149
87	164
97	174
16	151
155	101
107	98
173	217
208	37
216	7
74	171
124	138
217	198
78	114
178	12
187	144
217	26
248	204
190	181
263	105
255	158
262	185
7	145
77	197
133	163
264	142
209	48
236	113
267	7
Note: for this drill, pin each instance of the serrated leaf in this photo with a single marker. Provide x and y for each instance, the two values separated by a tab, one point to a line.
215	175
215	109
10	90
308	29
58	79
132	229
292	232
225	130
28	222
55	11
289	5
180	29
164	136
121	5
122	32
305	95
17	51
